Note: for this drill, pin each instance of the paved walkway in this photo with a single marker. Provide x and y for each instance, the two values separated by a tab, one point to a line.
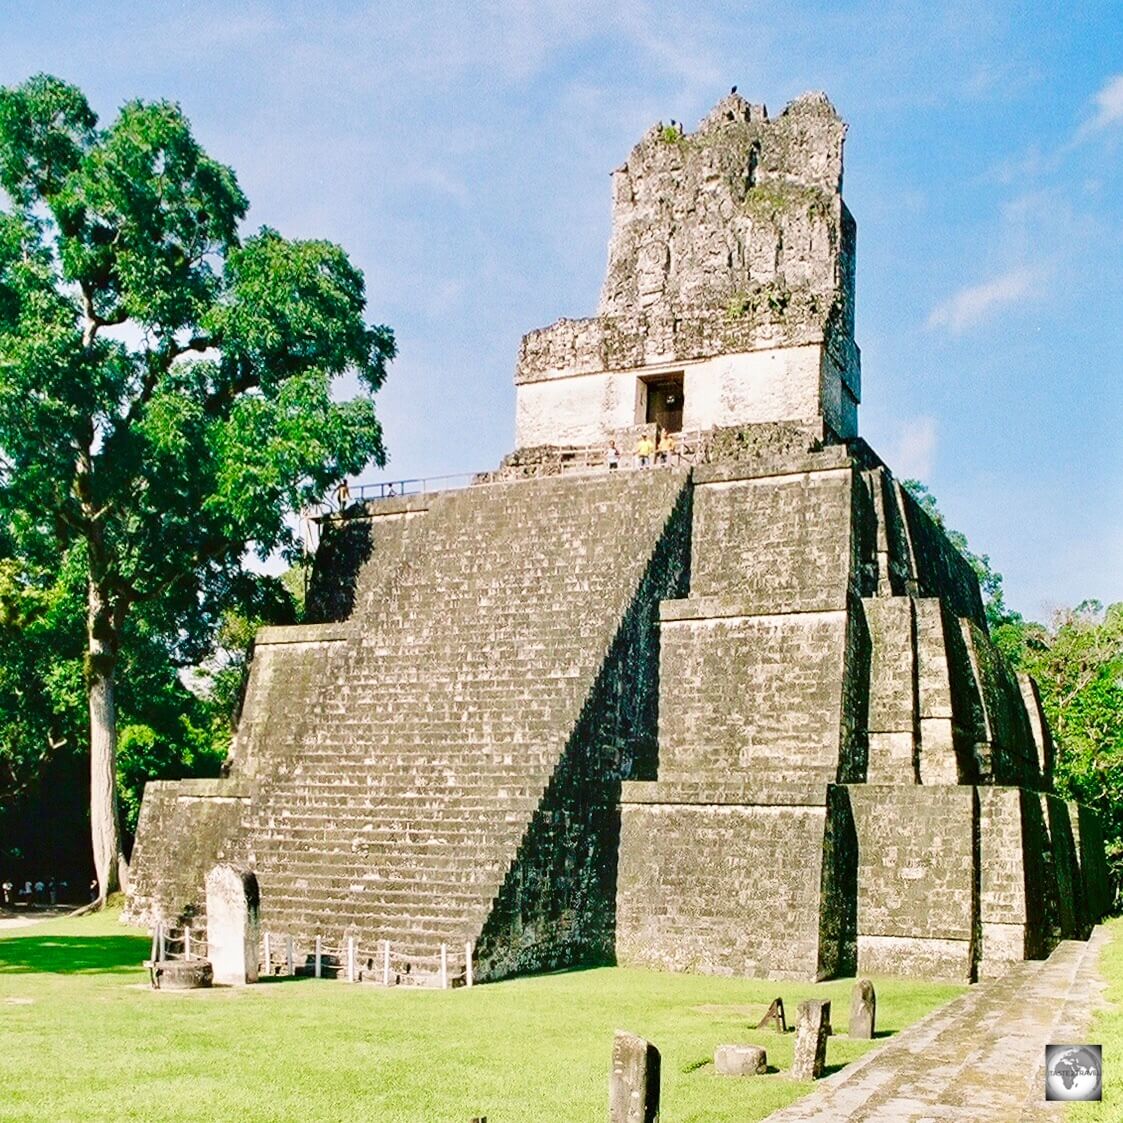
10	919
979	1059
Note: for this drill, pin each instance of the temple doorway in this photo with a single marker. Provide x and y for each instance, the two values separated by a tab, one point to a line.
664	402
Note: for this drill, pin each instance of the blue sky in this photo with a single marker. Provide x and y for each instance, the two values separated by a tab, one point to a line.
461	153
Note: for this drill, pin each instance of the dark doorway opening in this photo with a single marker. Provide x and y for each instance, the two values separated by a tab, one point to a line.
664	402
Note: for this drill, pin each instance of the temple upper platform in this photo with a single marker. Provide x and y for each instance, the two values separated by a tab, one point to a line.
729	294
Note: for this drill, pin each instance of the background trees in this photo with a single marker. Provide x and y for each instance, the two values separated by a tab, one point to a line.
165	404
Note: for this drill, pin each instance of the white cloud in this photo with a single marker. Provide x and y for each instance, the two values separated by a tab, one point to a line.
912	452
972	304
1109	107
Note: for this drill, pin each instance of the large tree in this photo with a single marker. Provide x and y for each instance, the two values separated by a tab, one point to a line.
165	384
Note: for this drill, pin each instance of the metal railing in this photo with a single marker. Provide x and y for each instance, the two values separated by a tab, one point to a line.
690	448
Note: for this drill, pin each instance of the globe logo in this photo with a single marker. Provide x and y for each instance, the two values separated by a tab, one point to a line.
1073	1072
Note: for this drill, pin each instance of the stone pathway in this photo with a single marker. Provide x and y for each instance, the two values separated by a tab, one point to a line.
979	1059
23	919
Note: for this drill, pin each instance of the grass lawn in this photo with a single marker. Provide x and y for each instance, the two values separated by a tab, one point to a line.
1107	1030
82	1037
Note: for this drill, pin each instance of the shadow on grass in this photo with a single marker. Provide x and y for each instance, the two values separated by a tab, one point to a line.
70	955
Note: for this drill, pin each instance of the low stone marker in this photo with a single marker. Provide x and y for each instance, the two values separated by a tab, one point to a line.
811	1039
775	1017
233	927
740	1060
633	1087
863	1010
181	974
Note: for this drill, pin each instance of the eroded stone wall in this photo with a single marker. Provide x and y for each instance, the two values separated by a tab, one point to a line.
731	262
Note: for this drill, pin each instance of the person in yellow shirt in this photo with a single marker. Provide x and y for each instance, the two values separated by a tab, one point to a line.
666	447
644	448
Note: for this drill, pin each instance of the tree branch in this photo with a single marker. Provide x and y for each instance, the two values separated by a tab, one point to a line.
93	320
247	381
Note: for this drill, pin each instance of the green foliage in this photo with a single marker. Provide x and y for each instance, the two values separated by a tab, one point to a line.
772	297
1077	661
165	406
767	201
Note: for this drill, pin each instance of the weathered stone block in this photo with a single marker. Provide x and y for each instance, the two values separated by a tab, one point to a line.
181	974
740	1060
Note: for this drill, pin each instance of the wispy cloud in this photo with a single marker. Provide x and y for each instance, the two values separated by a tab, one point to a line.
974	303
912	452
1108	104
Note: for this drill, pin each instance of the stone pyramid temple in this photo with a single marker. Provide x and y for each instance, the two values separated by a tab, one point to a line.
735	711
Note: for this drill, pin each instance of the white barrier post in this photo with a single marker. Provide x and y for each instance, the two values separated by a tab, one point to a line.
350	959
289	955
160	940
469	973
268	956
319	957
444	966
187	943
385	963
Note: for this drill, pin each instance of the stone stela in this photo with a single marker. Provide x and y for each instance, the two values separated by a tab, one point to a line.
812	1030
754	680
233	928
633	1089
863	1010
740	1060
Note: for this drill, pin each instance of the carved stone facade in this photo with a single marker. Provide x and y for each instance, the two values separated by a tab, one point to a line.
731	269
738	715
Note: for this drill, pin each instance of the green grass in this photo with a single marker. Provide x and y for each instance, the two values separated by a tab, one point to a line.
1107	1030
82	1037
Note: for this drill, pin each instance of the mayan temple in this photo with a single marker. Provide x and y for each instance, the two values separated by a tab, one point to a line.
736	711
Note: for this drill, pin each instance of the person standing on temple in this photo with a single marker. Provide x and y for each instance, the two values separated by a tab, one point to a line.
644	448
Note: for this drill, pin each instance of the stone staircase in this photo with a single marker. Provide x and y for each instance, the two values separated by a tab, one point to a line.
393	803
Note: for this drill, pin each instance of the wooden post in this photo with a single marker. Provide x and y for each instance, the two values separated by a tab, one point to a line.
385	963
444	966
469	972
289	955
187	942
268	956
319	957
350	959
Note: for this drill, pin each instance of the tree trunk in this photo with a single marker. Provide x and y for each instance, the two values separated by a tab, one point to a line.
105	826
